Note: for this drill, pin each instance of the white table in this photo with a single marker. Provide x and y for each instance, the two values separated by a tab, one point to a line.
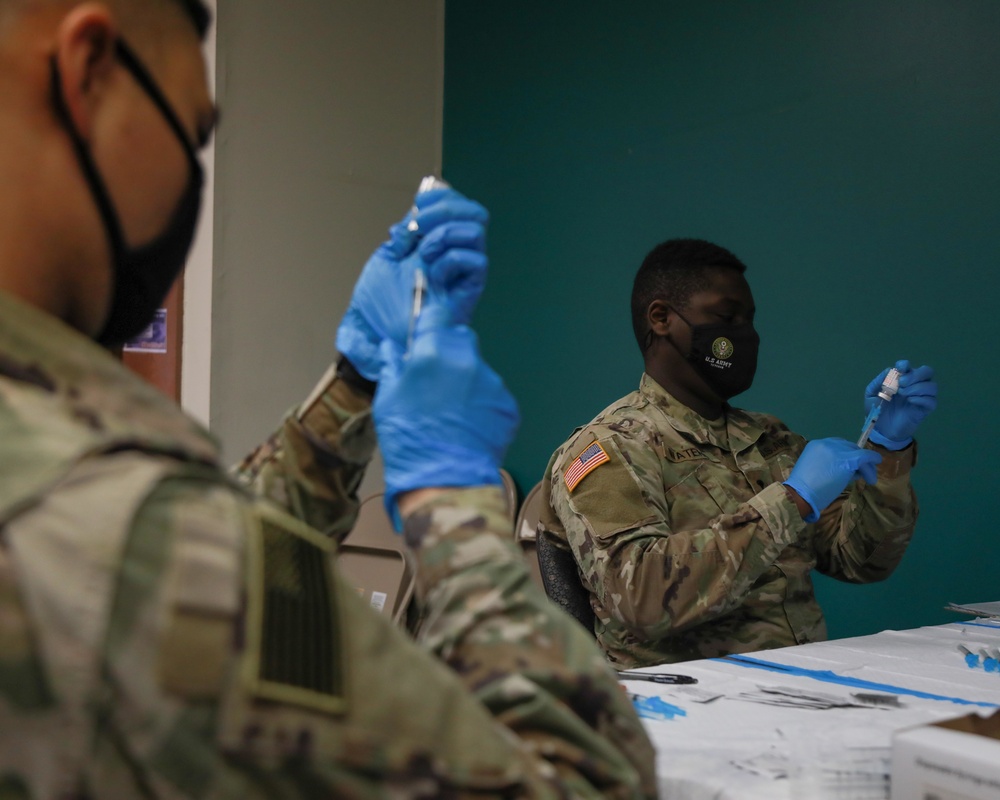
735	747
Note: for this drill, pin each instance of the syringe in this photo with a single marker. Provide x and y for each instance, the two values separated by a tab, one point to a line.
890	385
419	279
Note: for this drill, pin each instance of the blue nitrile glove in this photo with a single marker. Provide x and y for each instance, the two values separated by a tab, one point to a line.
442	415
900	417
825	468
381	298
455	264
380	308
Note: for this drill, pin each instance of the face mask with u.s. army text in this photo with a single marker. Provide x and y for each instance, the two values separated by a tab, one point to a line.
142	275
724	355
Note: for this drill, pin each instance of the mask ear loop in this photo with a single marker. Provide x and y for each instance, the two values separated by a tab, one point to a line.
141	75
99	191
145	80
671	341
647	342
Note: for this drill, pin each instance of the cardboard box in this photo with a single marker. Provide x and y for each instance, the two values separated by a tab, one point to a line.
957	759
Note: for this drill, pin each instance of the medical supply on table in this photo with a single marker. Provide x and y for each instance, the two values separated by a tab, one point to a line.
656	677
987	659
429	183
655	708
890	385
971	659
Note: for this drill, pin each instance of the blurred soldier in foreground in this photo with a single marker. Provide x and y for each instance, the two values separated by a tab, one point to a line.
168	631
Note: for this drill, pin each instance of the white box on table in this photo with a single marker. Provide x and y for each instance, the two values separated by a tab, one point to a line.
956	759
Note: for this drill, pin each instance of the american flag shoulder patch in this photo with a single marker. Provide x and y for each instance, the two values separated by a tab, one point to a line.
585	463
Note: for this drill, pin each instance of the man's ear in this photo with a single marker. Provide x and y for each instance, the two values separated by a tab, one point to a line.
659	315
85	54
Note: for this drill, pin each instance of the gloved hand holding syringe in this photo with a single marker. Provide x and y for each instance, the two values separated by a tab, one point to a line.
898	400
449	261
432	266
890	385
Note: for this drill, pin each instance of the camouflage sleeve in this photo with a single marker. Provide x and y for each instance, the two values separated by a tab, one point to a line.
313	465
536	670
661	565
862	536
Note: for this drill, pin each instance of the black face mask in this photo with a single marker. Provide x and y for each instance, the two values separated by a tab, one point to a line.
724	355
142	275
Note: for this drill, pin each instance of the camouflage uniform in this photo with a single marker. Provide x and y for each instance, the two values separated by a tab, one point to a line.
690	545
165	632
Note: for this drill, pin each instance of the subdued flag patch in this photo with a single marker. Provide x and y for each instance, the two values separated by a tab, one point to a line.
589	460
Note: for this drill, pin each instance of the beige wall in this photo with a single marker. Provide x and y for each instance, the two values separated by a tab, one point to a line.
331	113
196	361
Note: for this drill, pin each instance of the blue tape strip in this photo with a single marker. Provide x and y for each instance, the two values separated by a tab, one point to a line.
827	676
977	625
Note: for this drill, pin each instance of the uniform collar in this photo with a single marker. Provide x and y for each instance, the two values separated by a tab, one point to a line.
740	432
41	350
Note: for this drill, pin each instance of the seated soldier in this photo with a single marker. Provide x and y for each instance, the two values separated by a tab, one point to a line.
695	525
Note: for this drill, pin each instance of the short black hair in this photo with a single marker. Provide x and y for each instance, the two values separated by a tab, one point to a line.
199	15
673	271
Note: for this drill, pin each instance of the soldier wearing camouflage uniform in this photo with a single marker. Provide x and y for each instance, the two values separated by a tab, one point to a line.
696	525
167	630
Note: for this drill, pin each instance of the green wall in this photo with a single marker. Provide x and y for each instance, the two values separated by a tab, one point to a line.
848	152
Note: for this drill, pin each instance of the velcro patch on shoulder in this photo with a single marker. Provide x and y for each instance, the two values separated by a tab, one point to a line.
580	467
294	653
612	500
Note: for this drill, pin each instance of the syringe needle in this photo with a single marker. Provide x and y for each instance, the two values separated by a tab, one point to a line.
418	302
867	430
870	420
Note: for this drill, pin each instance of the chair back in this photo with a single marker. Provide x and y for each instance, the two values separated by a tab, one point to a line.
510	493
374	560
561	581
525	531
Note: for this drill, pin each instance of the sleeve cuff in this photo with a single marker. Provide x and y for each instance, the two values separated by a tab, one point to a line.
779	513
337	419
896	463
456	513
349	374
887	443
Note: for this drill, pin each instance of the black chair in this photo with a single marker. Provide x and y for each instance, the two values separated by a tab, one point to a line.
562	581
